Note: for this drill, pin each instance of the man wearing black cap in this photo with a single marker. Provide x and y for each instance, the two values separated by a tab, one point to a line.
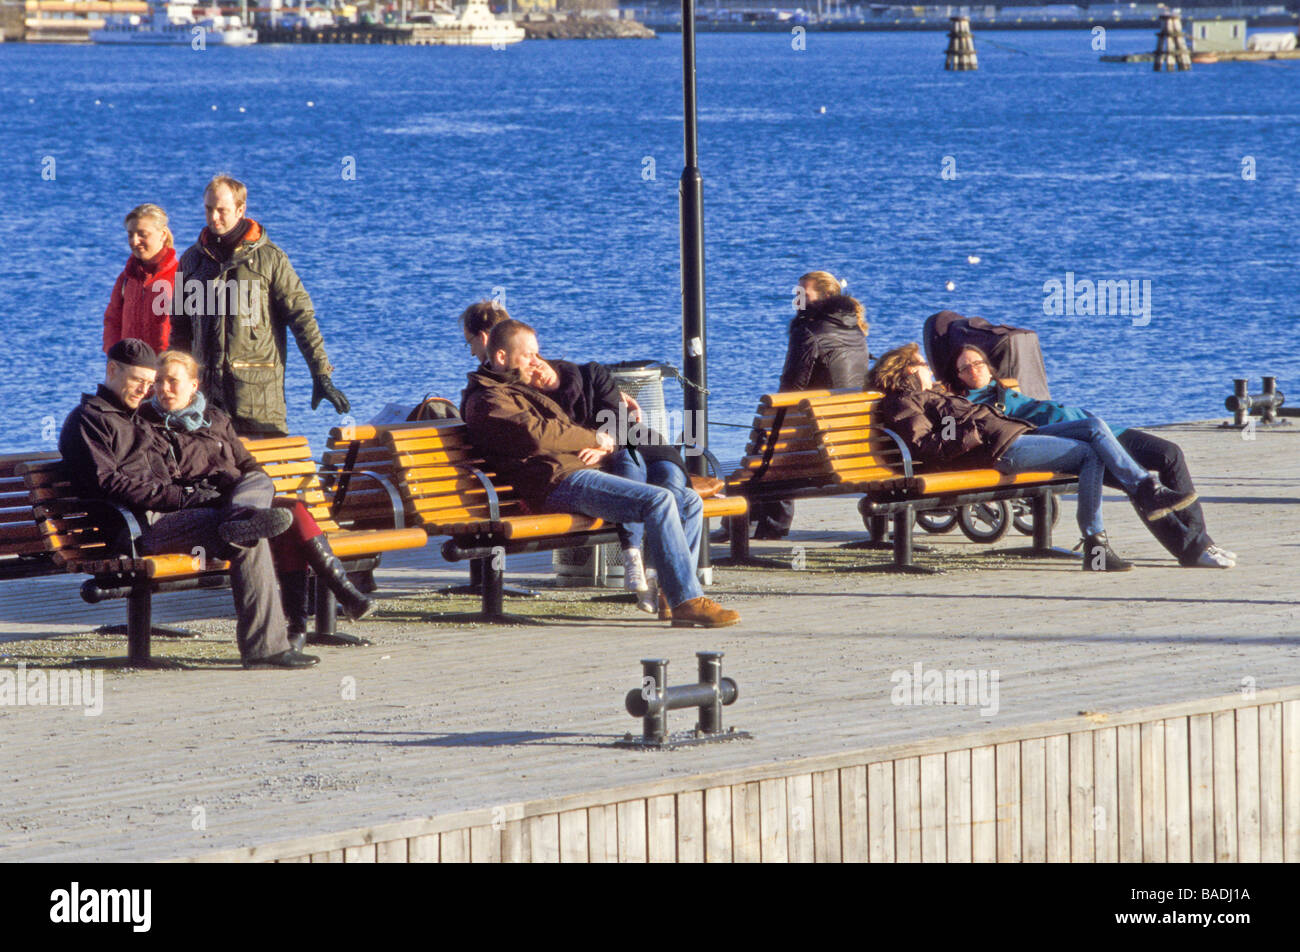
113	453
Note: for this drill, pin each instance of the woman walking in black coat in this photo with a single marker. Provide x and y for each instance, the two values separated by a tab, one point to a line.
827	351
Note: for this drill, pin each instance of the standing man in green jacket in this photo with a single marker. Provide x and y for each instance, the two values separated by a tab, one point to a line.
236	293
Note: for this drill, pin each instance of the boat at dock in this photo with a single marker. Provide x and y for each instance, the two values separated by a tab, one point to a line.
475	25
173	23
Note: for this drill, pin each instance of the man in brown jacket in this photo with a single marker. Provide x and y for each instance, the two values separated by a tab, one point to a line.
552	462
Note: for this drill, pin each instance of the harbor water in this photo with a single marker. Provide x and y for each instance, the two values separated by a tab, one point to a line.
407	182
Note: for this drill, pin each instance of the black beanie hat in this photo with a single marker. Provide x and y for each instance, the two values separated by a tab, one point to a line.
133	352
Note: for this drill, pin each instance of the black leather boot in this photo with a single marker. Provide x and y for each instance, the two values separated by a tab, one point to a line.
293	599
1098	556
330	570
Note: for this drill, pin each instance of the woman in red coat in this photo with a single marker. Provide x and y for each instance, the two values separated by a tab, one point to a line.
141	302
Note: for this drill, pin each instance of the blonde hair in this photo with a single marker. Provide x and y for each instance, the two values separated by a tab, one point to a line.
827	285
179	357
892	368
153	213
823	282
237	188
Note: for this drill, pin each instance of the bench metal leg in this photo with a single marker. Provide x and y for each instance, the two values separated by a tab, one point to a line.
1041	507
327	632
139	628
139	622
902	539
475	586
738	530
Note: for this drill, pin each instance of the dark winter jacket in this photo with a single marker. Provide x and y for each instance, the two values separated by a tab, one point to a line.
524	435
945	431
214	453
240	341
827	349
589	394
114	453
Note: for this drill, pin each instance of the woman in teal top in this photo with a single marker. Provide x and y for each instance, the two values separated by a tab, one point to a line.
1182	531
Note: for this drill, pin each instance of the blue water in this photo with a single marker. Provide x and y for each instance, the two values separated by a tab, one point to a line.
524	169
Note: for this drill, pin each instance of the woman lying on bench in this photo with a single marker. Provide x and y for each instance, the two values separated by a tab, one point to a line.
953	433
1181	530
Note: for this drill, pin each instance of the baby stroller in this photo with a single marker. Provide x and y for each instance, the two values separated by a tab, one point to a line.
1013	352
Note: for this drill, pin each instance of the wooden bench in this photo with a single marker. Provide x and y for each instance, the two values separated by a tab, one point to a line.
23	553
446	489
828	443
85	536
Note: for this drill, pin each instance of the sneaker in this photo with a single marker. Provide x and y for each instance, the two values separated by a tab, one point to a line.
1155	501
1220	550
1210	559
634	571
648	601
703	613
246	530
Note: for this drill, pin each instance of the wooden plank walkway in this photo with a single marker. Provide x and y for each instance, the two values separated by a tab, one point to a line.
436	719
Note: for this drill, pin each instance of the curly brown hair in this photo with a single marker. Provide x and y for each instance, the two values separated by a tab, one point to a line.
892	368
482	316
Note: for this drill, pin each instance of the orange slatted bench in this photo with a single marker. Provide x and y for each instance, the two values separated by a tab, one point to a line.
84	537
446	489
828	442
23	552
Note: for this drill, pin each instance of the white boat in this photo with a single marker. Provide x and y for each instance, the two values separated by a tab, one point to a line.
475	25
173	23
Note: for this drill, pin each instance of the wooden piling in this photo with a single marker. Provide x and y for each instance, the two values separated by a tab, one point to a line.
1171	45
961	46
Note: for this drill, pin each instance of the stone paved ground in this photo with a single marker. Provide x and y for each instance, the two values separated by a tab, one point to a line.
451	716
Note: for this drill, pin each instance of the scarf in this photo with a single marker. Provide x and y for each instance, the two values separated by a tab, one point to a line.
189	419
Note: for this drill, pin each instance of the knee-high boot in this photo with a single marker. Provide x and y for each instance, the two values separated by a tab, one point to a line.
330	571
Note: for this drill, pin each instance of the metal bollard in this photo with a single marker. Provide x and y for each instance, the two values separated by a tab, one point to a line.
1266	404
654	700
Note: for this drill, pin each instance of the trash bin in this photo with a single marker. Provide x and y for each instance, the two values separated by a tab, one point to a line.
602	566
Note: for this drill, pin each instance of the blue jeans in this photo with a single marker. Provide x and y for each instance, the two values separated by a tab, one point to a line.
1034	452
672	537
659	472
1094	431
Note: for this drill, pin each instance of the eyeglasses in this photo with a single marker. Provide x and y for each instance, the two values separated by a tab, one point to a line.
971	366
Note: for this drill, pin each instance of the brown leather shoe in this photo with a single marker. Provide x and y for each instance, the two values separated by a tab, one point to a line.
707	486
665	612
703	612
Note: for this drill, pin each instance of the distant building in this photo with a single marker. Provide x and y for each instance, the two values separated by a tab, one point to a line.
1217	36
13	20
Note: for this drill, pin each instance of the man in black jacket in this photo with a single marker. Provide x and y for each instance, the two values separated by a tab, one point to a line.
113	453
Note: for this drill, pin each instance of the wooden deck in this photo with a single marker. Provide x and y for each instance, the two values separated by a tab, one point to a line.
481	720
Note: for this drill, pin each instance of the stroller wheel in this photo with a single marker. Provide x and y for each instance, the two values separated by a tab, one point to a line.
984	521
1023	515
937	520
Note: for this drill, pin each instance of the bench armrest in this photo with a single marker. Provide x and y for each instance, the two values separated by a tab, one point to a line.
902	447
394	498
123	515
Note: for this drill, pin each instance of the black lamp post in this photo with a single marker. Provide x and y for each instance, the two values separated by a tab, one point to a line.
691	211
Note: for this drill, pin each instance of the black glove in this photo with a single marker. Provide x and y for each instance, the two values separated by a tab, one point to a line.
199	495
322	389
